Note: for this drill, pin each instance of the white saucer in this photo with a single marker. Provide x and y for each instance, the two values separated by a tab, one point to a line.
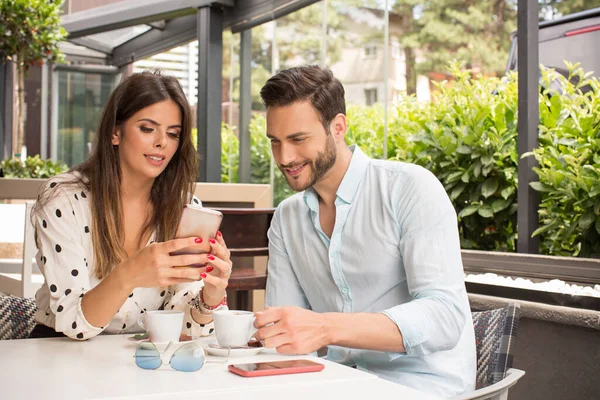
234	352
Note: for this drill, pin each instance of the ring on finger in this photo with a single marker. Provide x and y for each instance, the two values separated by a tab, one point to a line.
228	273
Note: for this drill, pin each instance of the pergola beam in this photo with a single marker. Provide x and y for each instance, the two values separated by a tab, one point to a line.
175	33
130	13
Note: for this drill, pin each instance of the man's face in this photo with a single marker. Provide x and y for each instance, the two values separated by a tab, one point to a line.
303	150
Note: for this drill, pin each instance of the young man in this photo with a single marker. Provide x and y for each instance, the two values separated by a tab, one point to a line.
366	258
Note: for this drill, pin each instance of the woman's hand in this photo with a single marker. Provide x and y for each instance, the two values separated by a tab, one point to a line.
216	274
154	266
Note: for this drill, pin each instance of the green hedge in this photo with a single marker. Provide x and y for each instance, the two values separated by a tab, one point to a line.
467	136
569	167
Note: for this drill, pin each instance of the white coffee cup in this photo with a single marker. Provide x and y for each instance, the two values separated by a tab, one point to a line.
234	328
163	326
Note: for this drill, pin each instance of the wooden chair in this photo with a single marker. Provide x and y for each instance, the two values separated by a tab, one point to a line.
245	232
25	283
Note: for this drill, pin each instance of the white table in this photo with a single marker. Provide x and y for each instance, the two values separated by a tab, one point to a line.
104	368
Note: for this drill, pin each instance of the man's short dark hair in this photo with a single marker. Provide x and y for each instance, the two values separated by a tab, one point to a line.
318	85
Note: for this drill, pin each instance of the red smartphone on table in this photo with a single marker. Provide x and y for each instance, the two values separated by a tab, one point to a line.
275	368
198	222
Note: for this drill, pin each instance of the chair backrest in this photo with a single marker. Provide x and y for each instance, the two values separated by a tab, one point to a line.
21	284
16	317
245	230
495	332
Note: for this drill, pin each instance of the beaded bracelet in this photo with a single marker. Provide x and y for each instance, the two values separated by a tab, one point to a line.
199	304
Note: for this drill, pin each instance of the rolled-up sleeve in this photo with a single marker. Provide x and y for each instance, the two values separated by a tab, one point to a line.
283	288
63	261
430	248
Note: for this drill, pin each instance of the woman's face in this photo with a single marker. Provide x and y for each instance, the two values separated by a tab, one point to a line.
148	140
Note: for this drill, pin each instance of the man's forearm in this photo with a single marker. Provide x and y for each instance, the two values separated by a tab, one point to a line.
370	331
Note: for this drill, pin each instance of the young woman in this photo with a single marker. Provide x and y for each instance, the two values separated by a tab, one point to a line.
105	230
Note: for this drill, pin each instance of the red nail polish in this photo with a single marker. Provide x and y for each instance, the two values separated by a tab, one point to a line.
198	240
203	275
209	269
219	233
211	258
212	241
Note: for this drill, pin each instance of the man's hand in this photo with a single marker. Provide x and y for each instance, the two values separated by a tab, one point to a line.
293	330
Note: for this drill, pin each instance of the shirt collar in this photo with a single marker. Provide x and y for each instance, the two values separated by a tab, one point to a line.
349	185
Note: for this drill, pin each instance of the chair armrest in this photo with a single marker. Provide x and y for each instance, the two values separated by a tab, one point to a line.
488	392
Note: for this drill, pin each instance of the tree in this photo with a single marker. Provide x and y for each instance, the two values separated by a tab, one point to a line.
552	9
476	32
29	33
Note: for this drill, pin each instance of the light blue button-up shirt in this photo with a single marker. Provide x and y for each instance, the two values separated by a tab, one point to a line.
394	249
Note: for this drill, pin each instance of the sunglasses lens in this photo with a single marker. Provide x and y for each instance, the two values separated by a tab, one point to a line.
147	356
188	358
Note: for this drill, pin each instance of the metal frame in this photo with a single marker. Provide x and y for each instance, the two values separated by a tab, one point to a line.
175	33
210	75
250	13
528	70
245	105
131	13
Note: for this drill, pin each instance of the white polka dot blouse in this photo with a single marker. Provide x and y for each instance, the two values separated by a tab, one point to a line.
66	259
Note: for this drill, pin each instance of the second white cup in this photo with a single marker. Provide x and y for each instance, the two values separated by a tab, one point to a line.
234	328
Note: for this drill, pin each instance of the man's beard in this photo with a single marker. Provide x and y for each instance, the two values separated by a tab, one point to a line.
318	167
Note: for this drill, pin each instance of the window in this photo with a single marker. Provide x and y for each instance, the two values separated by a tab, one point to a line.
370	96
370	51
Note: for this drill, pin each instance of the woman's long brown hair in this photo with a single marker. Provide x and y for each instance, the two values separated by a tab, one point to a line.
100	174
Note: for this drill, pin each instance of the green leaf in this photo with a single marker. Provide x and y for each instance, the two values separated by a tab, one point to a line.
500	204
468	210
477	169
487	160
507	191
555	105
455	176
465	177
457	191
598	225
540	187
489	187
486	211
587	220
462	149
543	229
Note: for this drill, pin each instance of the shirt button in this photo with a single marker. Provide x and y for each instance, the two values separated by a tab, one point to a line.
345	291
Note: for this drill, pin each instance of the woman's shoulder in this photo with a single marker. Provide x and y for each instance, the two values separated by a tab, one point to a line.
62	185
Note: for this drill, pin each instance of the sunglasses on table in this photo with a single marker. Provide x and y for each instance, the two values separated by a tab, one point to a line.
187	358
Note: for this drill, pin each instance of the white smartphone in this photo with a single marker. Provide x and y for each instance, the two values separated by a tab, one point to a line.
198	222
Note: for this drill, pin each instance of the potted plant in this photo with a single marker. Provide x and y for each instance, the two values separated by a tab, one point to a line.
29	33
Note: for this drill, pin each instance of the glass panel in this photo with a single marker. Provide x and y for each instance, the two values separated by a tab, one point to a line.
81	98
356	54
180	62
230	107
